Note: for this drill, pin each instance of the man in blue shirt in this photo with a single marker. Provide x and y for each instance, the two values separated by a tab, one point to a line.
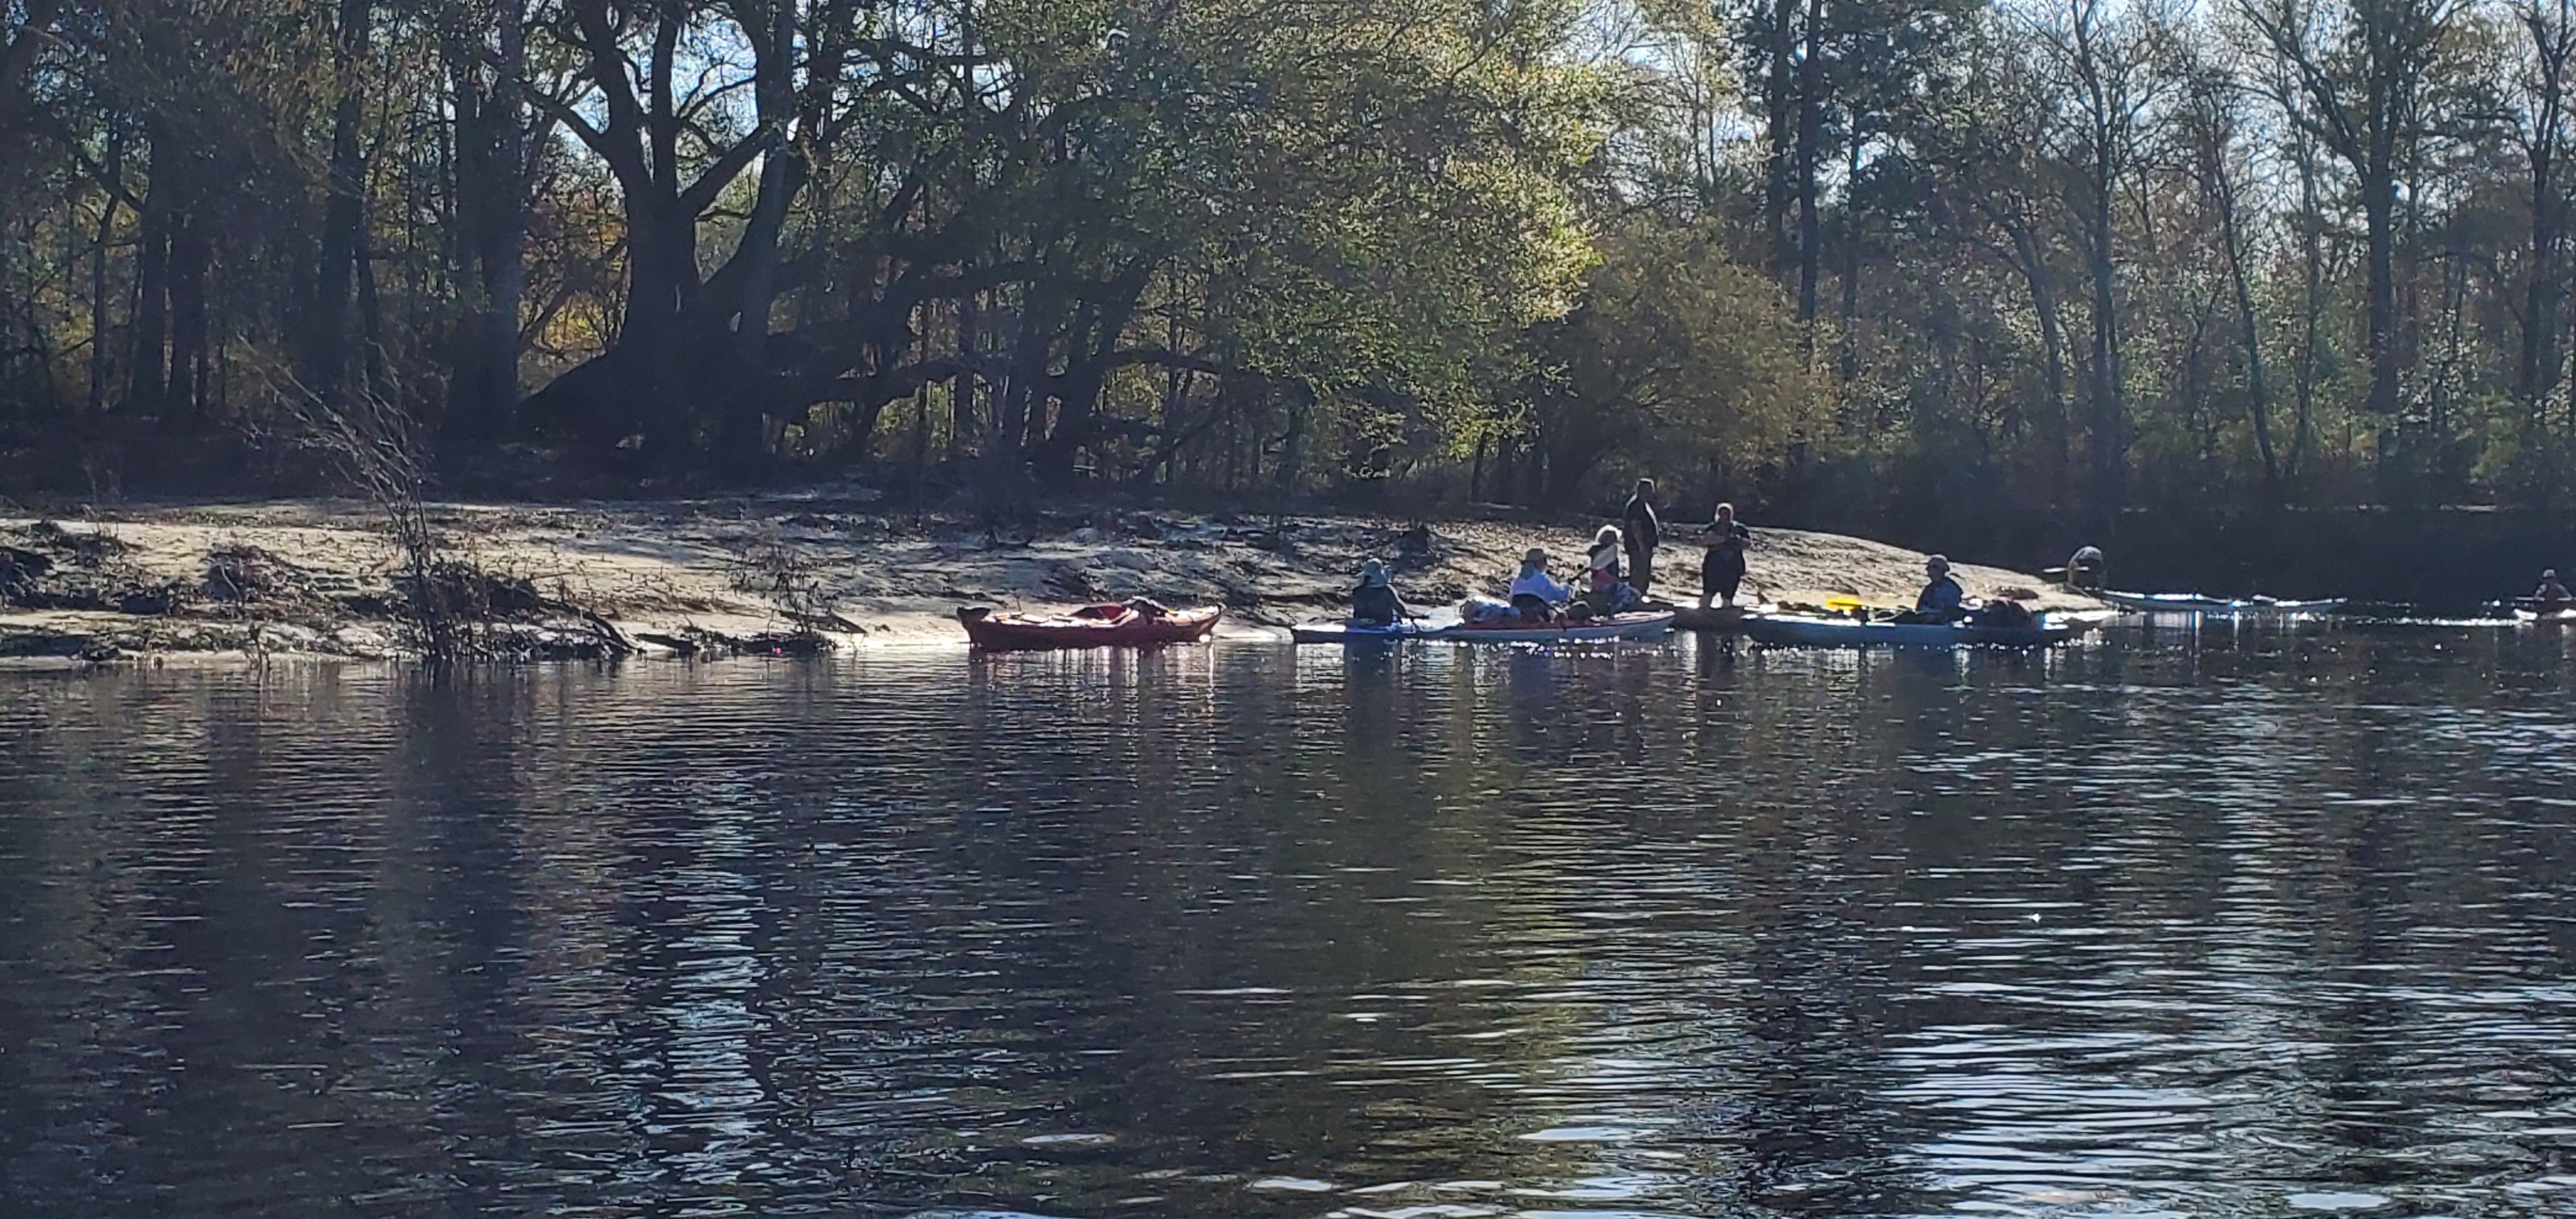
1942	600
1535	593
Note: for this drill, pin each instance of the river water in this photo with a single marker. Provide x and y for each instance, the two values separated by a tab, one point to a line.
2209	921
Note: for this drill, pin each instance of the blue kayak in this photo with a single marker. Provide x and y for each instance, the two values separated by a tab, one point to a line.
1633	625
1812	631
1345	631
2194	603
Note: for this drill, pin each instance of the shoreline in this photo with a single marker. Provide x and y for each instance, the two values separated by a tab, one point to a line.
319	579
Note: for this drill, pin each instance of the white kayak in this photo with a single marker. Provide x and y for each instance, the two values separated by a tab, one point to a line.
2194	603
1347	631
2555	617
1616	626
1809	630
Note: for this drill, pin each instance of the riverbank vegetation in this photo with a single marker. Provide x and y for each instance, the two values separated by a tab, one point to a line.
1854	260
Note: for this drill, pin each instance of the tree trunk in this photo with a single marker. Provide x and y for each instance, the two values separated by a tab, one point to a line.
1811	103
2538	373
2110	414
962	415
2312	263
191	254
491	187
1848	365
1006	446
2379	211
371	313
920	443
1779	107
2258	394
1077	397
662	271
1089	348
152	284
750	406
2052	340
1291	453
326	350
780	178
98	303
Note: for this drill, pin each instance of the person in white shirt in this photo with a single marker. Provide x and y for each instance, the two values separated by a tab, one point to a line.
1542	591
1609	593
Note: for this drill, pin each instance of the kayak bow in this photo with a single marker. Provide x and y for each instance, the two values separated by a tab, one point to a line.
1346	631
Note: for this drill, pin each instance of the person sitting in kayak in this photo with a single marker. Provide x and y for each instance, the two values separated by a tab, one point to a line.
1608	594
1535	593
1374	601
1942	600
2552	595
2085	570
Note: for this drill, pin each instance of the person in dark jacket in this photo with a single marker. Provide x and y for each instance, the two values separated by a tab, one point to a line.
1721	570
1642	532
1942	600
2552	597
1374	601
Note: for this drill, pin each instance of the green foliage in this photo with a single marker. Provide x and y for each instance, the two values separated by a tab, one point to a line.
1679	361
2039	262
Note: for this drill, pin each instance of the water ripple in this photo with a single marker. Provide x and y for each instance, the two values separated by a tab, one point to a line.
2241	921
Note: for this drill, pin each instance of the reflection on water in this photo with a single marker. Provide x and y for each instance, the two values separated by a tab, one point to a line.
2203	919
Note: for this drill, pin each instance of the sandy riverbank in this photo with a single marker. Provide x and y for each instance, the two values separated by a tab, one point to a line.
317	577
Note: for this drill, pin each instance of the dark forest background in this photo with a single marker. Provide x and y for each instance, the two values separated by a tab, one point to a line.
2008	274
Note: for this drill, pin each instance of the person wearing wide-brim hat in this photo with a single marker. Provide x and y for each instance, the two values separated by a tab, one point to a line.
1534	592
1375	600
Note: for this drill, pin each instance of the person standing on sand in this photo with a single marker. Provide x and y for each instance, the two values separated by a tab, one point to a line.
1721	570
1642	532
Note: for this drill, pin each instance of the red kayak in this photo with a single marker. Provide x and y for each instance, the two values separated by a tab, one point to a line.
1092	626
